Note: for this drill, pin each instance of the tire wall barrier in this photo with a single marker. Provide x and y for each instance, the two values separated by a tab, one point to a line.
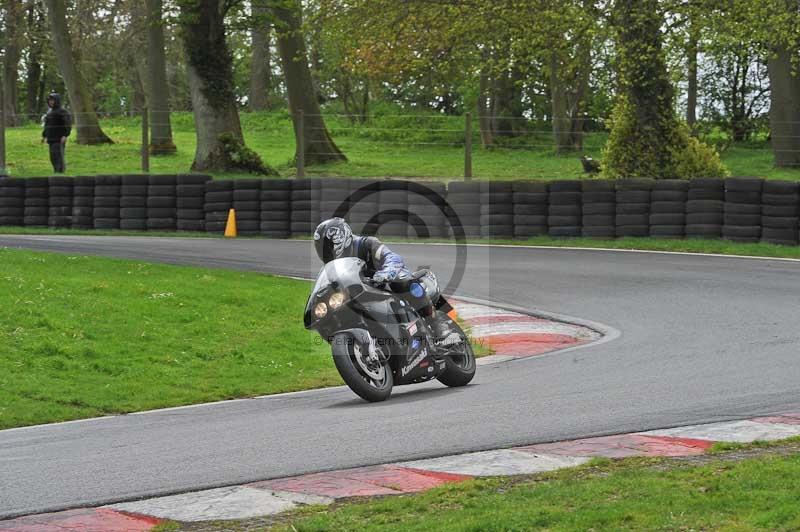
739	208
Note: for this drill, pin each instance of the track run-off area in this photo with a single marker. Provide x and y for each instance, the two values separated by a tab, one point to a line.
691	339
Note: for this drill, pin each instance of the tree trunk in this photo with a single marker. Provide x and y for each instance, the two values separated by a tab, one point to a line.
558	98
484	112
157	89
210	72
784	112
260	66
86	122
34	74
319	146
567	98
691	85
13	46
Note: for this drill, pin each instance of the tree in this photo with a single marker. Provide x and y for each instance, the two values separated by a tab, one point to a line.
220	143
34	80
318	144
735	86
260	64
772	27
785	108
156	87
691	78
86	122
14	24
646	138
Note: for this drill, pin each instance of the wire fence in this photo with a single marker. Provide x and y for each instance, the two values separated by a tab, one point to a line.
397	145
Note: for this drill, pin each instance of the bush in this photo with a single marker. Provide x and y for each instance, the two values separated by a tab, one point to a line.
240	157
665	152
697	160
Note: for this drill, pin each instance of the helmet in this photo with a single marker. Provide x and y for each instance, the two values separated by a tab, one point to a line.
333	239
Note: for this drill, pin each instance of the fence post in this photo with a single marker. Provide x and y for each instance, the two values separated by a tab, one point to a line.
301	146
3	171
145	141
468	147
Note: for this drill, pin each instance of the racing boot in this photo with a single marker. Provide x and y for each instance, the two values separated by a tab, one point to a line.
444	338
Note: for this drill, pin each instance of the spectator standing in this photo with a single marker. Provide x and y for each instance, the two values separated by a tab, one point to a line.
57	127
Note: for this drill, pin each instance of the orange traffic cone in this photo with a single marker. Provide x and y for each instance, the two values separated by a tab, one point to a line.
230	227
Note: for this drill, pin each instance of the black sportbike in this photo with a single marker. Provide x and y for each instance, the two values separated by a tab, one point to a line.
377	336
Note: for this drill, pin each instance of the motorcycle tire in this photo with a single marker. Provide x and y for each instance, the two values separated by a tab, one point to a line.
459	369
344	357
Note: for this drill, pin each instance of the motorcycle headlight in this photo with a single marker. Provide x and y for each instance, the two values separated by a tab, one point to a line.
336	300
320	310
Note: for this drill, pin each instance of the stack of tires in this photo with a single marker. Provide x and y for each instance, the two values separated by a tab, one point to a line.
107	191
633	207
598	208
668	208
133	203
393	208
247	203
426	213
162	203
742	210
333	194
276	201
219	201
12	202
564	213
305	206
530	208
37	203
190	192
60	202
780	212
464	198
705	208
497	209
364	205
83	203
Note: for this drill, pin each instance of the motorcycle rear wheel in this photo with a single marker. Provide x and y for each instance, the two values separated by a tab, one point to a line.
373	384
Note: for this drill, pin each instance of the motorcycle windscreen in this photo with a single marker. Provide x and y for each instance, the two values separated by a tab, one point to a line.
344	274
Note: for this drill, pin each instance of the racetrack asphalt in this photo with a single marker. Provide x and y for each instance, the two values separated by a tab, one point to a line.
703	339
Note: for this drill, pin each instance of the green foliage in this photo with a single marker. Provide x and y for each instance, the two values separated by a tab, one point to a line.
239	157
696	159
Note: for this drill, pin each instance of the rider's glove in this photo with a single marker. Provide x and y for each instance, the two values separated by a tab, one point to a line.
384	276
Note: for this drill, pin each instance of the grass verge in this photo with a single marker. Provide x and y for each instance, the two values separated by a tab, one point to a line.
87	336
746	488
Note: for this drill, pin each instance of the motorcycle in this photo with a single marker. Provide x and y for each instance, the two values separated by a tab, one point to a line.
378	337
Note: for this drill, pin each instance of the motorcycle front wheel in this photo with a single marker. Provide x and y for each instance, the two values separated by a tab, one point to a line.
370	378
459	361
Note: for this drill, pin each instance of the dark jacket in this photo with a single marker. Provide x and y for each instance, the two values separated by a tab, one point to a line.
57	122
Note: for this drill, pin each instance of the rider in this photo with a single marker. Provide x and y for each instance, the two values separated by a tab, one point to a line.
334	239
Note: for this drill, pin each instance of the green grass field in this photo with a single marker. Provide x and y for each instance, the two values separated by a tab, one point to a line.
414	146
752	489
88	336
84	336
